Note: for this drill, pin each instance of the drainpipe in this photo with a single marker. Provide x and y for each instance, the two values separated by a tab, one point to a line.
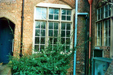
22	20
90	2
75	38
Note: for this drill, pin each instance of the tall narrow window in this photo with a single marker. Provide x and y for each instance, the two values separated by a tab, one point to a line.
50	23
107	10
99	34
107	32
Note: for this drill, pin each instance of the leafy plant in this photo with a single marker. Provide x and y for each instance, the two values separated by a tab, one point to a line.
53	60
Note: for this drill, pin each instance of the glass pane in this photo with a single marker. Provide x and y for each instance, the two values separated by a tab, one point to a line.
67	33
37	25
51	11
106	14
43	13
50	25
67	40
68	17
43	25
67	48
50	32
56	11
42	40
63	40
42	32
63	34
42	47
63	18
68	12
38	13
36	40
68	27
64	12
55	17
50	16
55	25
56	33
50	40
36	48
63	26
37	32
55	40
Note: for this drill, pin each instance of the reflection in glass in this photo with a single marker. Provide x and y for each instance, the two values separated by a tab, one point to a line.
51	11
36	40
62	33
63	40
68	33
63	26
37	32
55	33
63	12
68	17
63	18
50	32
42	40
68	26
67	40
50	16
36	47
42	32
68	12
50	25
37	24
56	11
55	17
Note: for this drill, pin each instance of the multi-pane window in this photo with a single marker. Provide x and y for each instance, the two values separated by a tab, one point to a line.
107	10
99	34
66	14
99	13
54	14
103	25
50	23
39	35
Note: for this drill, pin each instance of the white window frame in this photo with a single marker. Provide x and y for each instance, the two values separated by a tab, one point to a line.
57	6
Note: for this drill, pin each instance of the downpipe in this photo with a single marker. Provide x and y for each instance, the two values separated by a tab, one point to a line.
90	2
22	20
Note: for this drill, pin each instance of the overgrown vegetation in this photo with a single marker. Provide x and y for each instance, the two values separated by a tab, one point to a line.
51	61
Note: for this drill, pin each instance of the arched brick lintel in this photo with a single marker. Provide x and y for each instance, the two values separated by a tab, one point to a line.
9	17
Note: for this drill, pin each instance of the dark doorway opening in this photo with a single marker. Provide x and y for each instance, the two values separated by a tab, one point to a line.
6	39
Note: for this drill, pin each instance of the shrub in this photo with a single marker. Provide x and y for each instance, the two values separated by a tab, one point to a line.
53	60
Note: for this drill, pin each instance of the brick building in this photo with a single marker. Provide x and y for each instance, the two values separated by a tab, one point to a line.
43	19
102	30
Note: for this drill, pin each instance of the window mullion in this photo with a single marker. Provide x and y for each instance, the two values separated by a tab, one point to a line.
47	30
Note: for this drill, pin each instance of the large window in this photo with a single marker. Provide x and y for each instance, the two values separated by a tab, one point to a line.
50	23
103	25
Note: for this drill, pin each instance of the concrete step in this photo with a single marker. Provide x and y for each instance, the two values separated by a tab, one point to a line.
5	70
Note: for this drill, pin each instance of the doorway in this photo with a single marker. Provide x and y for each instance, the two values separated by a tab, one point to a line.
6	39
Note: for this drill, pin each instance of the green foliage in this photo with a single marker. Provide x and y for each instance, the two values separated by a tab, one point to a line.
51	61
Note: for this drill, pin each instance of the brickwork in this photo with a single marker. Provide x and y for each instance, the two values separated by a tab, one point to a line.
12	11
